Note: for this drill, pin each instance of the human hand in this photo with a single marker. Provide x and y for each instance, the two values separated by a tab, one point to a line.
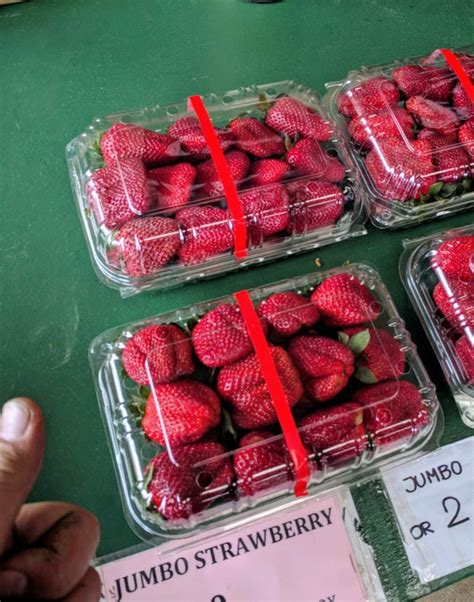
46	547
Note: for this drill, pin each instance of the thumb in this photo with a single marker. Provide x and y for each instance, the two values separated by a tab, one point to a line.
21	456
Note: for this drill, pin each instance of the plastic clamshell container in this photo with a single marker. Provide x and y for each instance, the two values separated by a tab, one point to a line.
315	202
171	488
409	127
444	302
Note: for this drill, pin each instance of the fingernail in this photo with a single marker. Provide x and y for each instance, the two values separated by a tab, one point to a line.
12	583
15	418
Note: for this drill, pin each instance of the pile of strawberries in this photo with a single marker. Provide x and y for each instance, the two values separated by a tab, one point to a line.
207	405
414	131
161	194
453	295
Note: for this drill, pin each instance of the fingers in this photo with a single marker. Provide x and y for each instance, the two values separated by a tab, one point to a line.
21	456
87	590
62	540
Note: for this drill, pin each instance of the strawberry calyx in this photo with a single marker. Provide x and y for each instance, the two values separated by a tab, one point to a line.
365	375
356	343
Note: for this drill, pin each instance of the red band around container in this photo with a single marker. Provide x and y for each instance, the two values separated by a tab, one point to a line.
459	71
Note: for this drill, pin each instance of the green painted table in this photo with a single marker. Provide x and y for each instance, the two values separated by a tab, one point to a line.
65	62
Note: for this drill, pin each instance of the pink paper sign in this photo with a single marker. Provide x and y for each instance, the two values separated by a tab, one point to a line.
299	554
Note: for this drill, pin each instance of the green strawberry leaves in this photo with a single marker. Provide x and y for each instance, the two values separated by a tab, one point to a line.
95	155
264	104
138	401
357	343
147	476
442	191
365	375
435	188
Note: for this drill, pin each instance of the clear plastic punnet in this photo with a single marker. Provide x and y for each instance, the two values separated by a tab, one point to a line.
409	126
438	273
218	411
171	194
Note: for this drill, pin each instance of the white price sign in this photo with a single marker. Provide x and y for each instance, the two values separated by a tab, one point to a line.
433	498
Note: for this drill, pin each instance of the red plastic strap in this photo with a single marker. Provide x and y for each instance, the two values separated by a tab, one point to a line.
458	69
230	191
277	393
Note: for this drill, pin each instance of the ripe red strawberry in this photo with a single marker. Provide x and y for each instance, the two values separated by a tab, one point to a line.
466	137
161	352
196	476
451	161
308	158
465	352
401	172
393	410
188	131
313	204
127	141
370	96
455	258
325	365
243	386
252	137
266	210
290	117
455	300
118	193
378	355
261	461
342	300
208	183
462	103
287	313
393	122
180	412
220	337
147	244
268	171
207	232
433	115
338	432
173	185
434	83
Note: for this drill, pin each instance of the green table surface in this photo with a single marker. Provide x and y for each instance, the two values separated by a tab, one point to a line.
65	62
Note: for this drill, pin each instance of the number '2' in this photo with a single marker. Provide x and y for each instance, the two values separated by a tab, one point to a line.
454	522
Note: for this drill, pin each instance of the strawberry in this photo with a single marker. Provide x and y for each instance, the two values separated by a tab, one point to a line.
325	365
173	185
392	122
209	185
158	354
342	300
466	137
313	204
243	386
462	103
433	115
393	410
220	337
451	161
455	300
455	258
434	83
378	355
207	232
118	193
308	158
261	462
467	63
188	131
465	352
252	137
180	412
127	141
266	210
196	476
147	244
268	171
401	172
337	432
290	117
370	96
287	313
